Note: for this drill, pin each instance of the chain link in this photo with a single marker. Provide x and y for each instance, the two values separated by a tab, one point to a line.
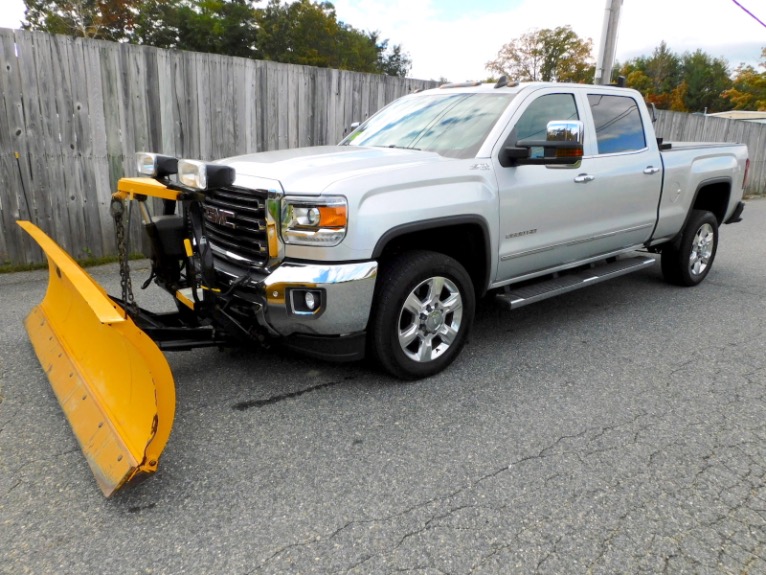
118	210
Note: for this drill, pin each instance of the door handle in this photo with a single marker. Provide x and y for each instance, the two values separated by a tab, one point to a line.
649	170
584	179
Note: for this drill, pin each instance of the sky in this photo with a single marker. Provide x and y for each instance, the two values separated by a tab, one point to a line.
454	39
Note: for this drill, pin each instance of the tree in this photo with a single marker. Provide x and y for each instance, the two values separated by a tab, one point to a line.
303	32
216	26
392	61
748	91
707	78
300	32
307	32
664	68
558	55
678	97
157	24
693	82
656	76
103	19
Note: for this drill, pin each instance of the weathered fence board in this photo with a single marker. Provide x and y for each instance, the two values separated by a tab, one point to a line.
12	138
680	127
76	110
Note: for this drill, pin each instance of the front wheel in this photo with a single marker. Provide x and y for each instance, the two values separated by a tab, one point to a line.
688	261
423	310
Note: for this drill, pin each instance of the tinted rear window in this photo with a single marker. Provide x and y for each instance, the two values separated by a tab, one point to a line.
618	123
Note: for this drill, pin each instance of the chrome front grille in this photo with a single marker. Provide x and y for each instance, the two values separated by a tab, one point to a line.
235	225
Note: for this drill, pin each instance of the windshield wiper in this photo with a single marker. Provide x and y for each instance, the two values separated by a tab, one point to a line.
402	147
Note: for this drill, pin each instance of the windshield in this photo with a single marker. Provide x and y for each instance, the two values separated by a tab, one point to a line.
453	125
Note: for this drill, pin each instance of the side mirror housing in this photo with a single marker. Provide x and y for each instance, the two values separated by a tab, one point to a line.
563	145
653	112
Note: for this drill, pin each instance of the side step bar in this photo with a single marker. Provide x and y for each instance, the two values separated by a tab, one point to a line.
516	297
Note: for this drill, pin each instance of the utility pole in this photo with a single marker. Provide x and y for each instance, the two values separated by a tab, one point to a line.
608	44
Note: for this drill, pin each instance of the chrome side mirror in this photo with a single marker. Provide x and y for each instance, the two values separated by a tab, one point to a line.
351	128
563	146
565	131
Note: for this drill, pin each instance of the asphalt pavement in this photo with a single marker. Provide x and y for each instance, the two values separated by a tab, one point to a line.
617	429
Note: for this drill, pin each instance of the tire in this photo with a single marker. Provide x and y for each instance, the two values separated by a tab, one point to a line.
687	262
422	313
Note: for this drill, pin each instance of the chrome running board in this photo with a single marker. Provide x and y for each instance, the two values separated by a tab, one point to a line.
518	296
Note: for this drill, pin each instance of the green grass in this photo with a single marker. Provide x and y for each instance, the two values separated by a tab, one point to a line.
84	262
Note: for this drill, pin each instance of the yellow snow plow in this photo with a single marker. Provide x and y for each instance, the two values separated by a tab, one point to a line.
103	357
217	249
111	380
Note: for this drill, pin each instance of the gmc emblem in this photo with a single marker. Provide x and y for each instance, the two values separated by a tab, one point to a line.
220	217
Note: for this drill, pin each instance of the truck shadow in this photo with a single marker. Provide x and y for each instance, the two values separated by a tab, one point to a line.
254	378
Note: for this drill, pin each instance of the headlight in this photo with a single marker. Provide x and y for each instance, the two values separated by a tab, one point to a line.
156	165
204	176
314	222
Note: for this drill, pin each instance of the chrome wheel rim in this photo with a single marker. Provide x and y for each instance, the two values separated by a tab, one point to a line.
702	250
430	319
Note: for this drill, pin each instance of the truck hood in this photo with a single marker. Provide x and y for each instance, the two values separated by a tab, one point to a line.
312	170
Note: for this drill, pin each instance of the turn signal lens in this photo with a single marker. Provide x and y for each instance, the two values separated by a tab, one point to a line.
333	216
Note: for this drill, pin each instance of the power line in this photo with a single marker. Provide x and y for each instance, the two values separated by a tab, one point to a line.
749	13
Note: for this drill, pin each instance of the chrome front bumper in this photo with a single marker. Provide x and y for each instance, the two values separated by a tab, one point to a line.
346	298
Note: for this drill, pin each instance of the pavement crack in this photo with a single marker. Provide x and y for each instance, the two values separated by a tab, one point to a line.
560	439
286	548
547	556
245	405
21	467
364	559
427	525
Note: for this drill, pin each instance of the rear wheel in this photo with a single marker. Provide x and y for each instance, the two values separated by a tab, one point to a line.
423	310
688	261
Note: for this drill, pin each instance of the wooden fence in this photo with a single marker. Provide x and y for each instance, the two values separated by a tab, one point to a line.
74	111
680	127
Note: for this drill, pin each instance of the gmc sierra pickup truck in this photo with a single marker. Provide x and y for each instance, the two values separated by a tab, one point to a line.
382	243
379	245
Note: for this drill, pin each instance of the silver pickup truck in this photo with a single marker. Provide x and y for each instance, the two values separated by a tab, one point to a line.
379	245
383	243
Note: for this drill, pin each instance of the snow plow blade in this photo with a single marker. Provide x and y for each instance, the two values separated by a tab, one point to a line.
111	379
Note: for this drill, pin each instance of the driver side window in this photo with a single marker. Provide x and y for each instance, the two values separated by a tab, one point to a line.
534	121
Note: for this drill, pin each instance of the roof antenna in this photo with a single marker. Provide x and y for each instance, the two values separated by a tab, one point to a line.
502	82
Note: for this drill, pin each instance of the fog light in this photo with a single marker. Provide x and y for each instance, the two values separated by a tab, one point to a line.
306	301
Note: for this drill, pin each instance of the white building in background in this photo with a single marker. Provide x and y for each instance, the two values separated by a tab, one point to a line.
757	117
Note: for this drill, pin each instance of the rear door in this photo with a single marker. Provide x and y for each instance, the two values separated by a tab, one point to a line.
626	168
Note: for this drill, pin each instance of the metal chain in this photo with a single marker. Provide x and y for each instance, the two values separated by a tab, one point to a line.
118	210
